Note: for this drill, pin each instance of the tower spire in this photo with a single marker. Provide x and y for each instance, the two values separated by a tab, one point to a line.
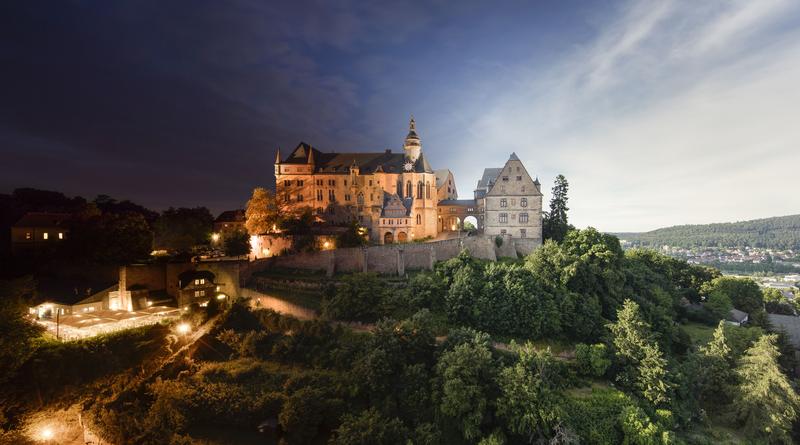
310	155
412	145
278	156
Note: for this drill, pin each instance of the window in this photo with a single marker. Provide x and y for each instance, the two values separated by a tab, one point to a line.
503	202
419	219
347	197
517	168
419	190
505	178
331	195
519	178
45	235
287	198
503	231
370	182
427	190
331	182
345	182
523	202
28	235
199	281
409	191
360	199
319	181
300	182
319	195
199	293
287	182
299	198
523	233
504	218
523	218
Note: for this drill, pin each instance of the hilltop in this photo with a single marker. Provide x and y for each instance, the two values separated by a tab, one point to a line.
780	232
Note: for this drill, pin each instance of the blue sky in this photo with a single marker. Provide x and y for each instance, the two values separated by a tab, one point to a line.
658	113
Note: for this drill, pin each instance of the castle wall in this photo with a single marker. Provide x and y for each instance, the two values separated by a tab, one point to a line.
395	259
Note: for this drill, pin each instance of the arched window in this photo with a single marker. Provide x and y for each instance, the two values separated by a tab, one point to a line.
409	190
419	219
428	189
523	202
419	190
360	199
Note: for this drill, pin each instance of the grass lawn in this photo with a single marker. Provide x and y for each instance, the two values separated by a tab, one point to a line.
699	333
311	299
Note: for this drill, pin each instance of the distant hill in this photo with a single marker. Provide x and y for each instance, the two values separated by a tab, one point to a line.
780	232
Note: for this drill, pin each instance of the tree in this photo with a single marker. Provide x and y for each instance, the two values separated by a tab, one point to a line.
592	359
359	297
719	305
465	373
183	228
17	332
110	237
744	293
715	371
237	244
765	401
370	427
263	213
643	366
354	236
555	225
530	399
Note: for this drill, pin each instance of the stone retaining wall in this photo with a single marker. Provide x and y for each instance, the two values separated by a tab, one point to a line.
396	259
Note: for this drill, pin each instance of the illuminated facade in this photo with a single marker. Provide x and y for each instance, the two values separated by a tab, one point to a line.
394	195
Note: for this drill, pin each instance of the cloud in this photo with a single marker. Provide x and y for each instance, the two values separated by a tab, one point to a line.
669	114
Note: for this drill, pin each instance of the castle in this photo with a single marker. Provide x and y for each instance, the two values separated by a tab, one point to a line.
399	197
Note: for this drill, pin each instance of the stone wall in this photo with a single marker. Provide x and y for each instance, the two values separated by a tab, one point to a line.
394	259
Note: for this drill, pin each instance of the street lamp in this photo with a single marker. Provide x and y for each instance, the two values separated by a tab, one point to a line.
183	328
215	237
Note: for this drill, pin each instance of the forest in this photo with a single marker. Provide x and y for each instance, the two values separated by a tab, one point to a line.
579	342
782	232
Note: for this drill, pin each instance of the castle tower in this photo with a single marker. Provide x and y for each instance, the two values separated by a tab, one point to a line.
412	145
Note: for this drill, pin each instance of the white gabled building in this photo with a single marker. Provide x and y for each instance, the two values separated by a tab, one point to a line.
511	201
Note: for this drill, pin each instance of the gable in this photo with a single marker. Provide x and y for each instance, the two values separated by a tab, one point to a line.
514	179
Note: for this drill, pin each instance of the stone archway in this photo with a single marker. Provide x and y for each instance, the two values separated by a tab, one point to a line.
402	237
471	220
388	238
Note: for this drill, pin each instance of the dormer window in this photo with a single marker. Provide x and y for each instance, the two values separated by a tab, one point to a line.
505	178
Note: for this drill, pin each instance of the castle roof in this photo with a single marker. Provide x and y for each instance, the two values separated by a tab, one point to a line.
441	176
458	202
332	162
43	219
395	206
231	216
489	177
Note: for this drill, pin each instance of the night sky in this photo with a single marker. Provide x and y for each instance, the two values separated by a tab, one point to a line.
643	105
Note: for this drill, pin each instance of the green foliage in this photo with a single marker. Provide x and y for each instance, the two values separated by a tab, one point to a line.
237	244
370	428
639	429
498	241
595	417
592	360
530	394
765	402
719	305
555	224
771	233
642	364
743	293
359	297
110	238
465	373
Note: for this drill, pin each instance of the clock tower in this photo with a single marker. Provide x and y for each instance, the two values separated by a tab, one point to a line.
412	146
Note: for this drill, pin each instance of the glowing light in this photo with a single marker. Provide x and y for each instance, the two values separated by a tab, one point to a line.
221	297
326	244
215	237
453	227
183	328
46	433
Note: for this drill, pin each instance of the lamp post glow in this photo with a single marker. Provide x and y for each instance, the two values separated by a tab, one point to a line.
215	237
183	328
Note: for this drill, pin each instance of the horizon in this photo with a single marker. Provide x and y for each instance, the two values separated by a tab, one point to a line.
658	114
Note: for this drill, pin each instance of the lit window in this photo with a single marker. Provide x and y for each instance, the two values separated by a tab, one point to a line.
523	202
45	235
28	235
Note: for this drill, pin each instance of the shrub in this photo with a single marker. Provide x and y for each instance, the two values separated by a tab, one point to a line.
592	359
498	241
